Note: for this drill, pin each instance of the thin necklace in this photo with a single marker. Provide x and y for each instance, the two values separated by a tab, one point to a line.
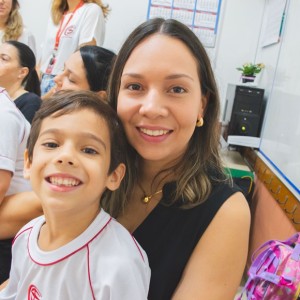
146	199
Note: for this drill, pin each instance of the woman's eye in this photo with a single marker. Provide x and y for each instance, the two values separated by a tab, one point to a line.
4	58
134	87
178	90
50	145
71	80
89	151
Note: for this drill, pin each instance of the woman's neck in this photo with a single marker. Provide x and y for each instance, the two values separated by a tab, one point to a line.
15	91
72	4
3	23
151	175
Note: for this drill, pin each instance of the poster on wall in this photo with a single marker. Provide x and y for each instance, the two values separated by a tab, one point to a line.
201	16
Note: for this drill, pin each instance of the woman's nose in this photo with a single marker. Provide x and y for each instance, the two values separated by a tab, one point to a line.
153	105
58	79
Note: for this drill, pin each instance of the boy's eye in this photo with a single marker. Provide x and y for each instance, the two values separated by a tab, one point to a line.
177	90
50	145
89	151
134	87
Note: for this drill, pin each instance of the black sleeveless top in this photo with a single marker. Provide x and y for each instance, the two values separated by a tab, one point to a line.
169	235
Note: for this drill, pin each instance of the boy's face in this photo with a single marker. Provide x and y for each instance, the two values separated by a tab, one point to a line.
70	163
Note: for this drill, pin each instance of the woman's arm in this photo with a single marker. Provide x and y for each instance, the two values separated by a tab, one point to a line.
3	285
4	183
16	210
216	266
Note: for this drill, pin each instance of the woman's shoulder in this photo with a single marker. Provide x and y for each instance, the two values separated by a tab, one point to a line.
235	207
29	96
28	100
92	6
26	35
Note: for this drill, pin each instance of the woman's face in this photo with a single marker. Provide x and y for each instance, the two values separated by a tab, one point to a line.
73	76
5	9
10	69
160	98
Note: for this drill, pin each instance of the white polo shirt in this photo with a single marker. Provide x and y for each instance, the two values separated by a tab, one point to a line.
104	263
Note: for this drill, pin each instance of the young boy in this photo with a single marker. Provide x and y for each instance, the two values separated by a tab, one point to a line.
75	155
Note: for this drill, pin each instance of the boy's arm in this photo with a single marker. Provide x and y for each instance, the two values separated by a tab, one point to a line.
17	210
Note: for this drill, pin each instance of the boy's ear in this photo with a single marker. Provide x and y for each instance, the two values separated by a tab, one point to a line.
114	179
27	165
103	95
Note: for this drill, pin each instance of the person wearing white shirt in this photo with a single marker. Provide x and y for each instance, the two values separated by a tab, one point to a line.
72	24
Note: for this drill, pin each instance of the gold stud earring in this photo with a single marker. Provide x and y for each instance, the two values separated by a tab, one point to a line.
200	122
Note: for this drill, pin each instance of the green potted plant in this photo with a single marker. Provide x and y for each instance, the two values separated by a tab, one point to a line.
250	70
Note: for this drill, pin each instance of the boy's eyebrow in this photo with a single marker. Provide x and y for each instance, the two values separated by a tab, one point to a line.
82	135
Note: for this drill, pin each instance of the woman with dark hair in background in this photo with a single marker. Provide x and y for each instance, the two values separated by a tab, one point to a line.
19	77
86	69
11	25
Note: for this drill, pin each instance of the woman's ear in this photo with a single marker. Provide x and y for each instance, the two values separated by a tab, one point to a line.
23	73
27	165
202	108
114	179
204	102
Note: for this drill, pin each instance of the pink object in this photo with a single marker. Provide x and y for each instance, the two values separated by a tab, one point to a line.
275	271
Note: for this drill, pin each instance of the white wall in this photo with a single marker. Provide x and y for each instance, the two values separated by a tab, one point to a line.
35	15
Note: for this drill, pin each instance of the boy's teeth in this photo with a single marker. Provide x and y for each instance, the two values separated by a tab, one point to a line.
154	132
64	181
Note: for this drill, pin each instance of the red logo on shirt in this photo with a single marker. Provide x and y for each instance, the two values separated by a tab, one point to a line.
34	293
69	31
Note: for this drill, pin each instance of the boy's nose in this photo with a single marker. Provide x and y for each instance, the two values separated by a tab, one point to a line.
62	161
66	156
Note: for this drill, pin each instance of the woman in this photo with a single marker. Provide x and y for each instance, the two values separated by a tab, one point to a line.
19	77
86	69
192	224
73	23
11	24
180	206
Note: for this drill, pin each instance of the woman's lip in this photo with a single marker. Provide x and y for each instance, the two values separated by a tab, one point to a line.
153	132
154	136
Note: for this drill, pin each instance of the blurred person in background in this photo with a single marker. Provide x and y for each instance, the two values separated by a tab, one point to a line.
72	24
14	132
19	77
11	25
86	69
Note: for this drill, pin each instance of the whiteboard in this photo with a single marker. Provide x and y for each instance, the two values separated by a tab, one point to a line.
280	140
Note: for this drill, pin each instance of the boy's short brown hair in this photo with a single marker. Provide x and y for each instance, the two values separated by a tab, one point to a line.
64	102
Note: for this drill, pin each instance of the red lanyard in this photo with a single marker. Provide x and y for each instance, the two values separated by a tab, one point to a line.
60	29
